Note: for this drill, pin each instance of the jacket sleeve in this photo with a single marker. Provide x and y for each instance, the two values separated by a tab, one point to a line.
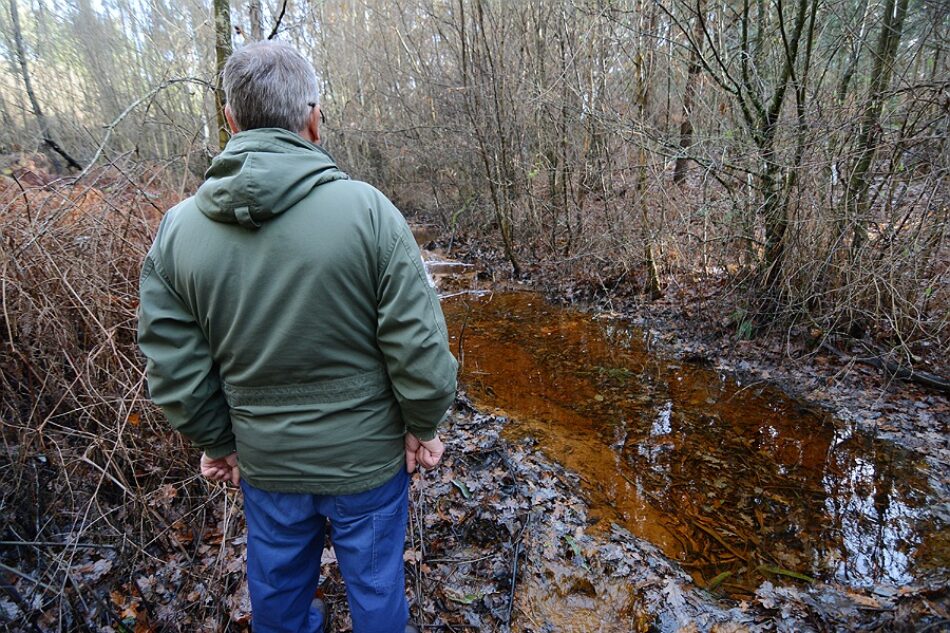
182	377
412	335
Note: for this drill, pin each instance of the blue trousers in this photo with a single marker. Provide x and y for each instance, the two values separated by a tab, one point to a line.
285	536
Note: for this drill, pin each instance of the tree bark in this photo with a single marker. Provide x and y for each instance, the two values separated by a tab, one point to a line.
222	50
45	130
689	92
775	207
856	199
503	170
642	68
257	29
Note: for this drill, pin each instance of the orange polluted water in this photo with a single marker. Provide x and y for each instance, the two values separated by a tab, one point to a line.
737	483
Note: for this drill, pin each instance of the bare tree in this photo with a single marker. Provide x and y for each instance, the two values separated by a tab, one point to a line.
807	140
689	93
45	129
256	16
643	69
222	50
892	27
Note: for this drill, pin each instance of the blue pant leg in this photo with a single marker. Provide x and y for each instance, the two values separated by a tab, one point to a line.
285	535
369	538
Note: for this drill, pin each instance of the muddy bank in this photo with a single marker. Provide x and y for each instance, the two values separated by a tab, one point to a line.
691	323
859	574
503	540
737	483
506	546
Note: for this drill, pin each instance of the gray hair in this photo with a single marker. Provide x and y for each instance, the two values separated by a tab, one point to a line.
270	84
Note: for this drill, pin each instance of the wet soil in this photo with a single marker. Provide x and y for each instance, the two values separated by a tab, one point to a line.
679	462
593	484
738	483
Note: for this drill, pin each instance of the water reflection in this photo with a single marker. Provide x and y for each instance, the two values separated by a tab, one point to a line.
724	478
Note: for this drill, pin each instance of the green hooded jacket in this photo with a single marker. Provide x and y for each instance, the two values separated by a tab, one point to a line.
285	313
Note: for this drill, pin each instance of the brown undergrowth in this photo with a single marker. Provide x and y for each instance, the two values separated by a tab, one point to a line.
88	469
888	299
104	524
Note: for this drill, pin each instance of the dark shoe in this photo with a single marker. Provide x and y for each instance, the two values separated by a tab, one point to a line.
320	607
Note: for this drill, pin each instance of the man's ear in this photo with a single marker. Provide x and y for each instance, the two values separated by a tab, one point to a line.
230	118
313	125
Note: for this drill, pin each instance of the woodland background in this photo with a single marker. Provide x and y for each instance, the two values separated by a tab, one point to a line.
789	157
799	147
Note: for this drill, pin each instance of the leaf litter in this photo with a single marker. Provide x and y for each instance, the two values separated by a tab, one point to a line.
514	554
572	579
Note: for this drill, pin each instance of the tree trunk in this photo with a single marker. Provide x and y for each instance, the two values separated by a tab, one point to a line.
774	204
504	171
257	30
689	92
643	68
222	50
28	84
856	199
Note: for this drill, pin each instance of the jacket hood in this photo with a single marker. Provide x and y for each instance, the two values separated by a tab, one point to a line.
262	173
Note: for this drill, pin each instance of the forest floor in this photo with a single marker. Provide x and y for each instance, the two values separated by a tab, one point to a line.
573	580
499	542
499	532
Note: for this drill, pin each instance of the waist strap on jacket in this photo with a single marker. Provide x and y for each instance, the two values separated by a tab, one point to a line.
323	391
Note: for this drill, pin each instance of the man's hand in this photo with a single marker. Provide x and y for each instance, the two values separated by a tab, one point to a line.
221	469
419	453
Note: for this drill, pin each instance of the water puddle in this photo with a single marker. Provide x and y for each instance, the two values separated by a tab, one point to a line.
738	483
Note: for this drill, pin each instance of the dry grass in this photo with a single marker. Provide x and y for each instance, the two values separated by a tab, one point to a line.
890	297
94	489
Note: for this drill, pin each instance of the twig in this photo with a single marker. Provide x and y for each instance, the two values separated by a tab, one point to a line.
711	532
910	375
477	293
111	127
56	544
283	10
514	571
26	199
455	561
39	583
417	524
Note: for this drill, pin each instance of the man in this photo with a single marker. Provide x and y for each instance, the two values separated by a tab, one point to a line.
291	334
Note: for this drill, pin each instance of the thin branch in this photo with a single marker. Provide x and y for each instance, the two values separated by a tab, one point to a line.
111	127
17	572
280	17
28	84
56	544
